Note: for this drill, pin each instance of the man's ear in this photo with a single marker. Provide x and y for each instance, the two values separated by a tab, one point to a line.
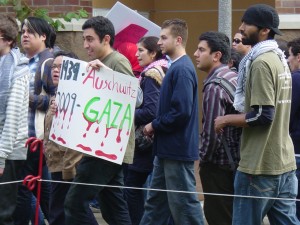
179	40
106	39
298	57
264	31
217	56
44	37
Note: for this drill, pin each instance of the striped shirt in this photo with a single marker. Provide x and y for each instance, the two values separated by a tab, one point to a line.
13	124
216	102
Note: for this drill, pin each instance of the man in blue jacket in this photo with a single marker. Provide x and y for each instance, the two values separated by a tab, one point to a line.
175	131
294	63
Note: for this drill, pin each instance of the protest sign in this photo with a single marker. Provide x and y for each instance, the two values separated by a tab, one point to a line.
95	110
129	25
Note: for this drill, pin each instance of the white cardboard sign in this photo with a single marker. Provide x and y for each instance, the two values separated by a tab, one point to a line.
95	110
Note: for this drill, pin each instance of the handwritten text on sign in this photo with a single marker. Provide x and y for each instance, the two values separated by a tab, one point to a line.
95	110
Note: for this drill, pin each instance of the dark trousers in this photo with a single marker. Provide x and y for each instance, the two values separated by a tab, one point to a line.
135	198
113	206
8	192
22	212
216	179
57	199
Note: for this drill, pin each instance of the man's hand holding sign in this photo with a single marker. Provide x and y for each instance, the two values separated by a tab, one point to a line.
95	109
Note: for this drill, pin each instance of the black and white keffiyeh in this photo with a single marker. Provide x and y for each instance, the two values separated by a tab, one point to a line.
258	49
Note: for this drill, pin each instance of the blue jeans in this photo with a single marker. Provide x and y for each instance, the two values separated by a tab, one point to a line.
112	203
249	211
41	215
185	208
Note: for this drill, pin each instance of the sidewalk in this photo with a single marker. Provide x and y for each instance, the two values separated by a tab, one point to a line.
102	222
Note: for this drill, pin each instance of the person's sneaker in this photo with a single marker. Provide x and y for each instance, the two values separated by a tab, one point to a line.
94	206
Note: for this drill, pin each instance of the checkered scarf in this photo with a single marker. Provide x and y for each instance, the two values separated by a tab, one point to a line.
258	49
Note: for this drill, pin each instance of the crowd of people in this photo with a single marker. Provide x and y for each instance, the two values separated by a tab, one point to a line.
246	145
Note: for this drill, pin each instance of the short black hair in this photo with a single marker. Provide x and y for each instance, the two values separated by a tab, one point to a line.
217	41
294	45
41	26
102	27
64	53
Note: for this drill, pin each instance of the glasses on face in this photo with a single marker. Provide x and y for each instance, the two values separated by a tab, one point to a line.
54	66
236	40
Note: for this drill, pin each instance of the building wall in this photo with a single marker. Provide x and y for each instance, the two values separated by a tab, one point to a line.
55	7
288	6
201	15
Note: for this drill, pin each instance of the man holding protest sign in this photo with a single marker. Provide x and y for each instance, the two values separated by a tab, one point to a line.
175	131
98	36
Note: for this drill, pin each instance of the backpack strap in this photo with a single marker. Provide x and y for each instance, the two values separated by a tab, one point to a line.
225	84
230	90
43	92
228	153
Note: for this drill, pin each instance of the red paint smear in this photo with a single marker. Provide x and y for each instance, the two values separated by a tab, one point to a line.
89	123
97	130
53	136
118	139
61	140
85	148
65	112
84	135
56	113
107	130
102	144
109	156
127	133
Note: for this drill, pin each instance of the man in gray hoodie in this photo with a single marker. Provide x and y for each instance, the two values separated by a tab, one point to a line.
14	100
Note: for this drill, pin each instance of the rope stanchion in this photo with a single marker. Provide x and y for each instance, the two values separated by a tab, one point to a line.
30	180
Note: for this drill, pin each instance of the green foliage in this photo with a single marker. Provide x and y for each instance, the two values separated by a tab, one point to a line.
23	11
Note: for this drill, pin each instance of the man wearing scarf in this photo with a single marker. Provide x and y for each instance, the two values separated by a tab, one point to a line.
14	100
266	170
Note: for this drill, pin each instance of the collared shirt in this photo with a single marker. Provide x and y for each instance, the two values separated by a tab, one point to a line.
216	102
170	61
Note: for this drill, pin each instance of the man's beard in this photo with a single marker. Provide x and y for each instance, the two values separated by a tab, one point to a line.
251	40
